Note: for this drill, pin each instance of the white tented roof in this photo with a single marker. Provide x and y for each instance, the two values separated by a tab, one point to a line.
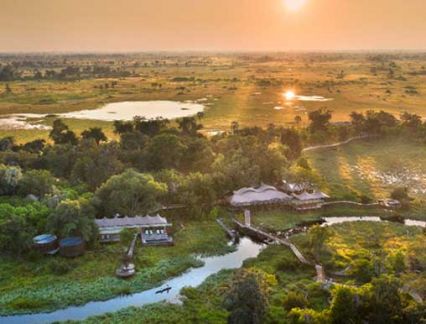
293	187
142	221
260	195
310	196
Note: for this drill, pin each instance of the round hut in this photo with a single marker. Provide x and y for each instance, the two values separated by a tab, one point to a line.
72	247
46	243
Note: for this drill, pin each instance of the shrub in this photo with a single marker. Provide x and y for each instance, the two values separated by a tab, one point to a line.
295	299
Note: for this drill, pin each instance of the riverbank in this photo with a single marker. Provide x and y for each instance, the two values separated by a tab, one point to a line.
49	283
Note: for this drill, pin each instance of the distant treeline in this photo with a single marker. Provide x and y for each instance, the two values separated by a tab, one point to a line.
12	72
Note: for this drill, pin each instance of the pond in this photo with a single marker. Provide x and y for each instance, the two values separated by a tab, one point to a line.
128	109
246	249
125	110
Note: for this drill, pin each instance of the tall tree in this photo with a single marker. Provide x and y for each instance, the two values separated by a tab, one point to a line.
130	193
73	218
61	134
94	133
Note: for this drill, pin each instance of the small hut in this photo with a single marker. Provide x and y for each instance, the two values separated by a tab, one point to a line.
72	247
46	243
309	201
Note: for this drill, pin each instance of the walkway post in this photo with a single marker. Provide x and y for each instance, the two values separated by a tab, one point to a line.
247	217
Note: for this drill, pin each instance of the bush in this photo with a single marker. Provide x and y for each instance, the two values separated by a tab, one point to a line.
293	300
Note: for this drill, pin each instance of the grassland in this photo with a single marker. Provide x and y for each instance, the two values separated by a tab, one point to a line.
349	244
372	168
241	88
41	283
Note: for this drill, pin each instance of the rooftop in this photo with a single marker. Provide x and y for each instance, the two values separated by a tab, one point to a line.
142	221
262	194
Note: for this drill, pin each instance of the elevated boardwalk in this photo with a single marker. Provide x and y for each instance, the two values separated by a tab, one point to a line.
264	236
231	234
267	237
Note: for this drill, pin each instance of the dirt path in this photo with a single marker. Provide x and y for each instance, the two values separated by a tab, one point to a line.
319	147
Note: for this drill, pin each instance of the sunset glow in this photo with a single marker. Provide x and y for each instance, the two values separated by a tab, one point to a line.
294	5
289	95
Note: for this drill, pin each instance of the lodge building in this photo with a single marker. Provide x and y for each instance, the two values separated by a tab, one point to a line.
153	229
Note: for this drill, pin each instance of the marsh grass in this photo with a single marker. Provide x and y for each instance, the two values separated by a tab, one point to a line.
91	277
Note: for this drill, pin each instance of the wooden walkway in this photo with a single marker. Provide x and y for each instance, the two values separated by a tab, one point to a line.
131	250
321	277
232	235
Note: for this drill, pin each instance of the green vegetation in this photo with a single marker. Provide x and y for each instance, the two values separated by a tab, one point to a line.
35	282
59	181
374	169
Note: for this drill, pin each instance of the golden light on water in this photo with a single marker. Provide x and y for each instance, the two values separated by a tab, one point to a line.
294	5
289	95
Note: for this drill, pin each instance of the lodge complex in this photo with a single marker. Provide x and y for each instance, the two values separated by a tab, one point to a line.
296	196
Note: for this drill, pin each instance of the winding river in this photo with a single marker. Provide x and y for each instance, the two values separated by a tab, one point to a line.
194	277
246	249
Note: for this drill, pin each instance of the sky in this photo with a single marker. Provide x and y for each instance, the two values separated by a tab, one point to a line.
211	25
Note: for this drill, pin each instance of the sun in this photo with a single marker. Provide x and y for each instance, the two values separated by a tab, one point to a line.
294	5
289	95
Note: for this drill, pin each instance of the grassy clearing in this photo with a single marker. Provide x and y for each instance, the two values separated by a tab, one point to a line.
50	283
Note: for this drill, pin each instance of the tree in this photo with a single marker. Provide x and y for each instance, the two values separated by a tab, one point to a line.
35	146
130	193
246	303
94	133
358	122
197	192
346	305
61	134
7	143
73	218
37	182
18	225
291	138
412	122
320	120
189	126
122	127
165	151
9	179
94	164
